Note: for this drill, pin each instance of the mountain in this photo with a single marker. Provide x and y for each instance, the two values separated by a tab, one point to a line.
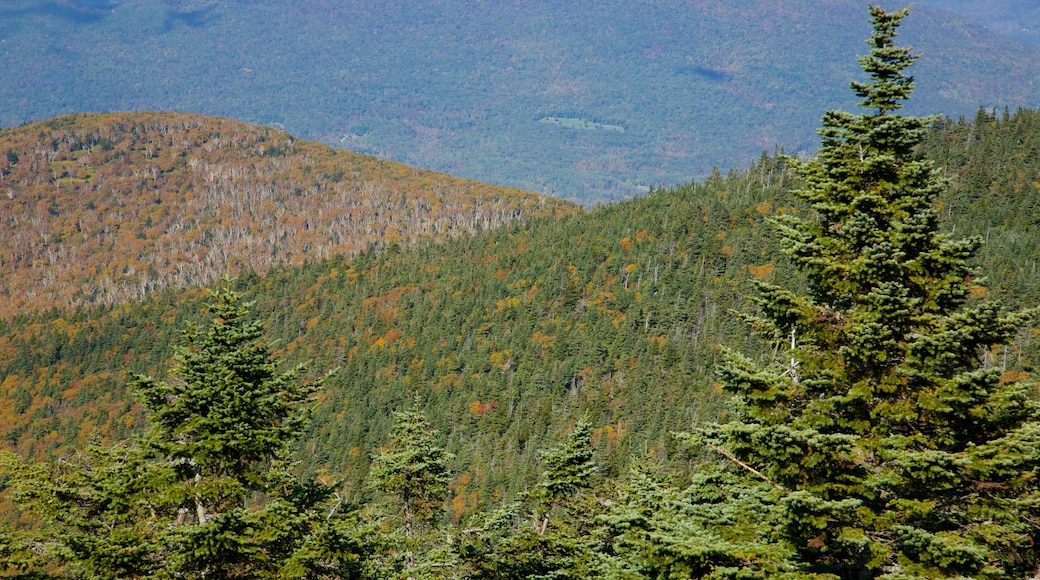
106	208
507	336
591	101
1017	19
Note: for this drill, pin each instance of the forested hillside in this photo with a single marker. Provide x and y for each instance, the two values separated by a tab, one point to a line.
107	208
507	336
588	102
609	321
813	368
1018	19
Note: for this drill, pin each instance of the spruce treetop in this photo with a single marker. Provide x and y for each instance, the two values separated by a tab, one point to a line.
879	417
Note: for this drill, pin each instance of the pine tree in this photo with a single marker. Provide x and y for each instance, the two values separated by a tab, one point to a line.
718	527
413	471
569	468
209	491
557	539
223	427
97	510
900	450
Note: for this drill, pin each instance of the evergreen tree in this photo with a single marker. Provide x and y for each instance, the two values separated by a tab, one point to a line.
224	427
414	472
569	468
99	507
900	451
209	492
559	538
718	527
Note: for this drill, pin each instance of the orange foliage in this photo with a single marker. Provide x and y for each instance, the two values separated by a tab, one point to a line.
105	208
1013	377
760	272
480	409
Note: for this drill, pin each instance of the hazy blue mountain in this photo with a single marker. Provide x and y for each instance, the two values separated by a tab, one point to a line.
1018	19
588	101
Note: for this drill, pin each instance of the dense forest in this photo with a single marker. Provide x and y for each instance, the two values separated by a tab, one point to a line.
809	368
471	89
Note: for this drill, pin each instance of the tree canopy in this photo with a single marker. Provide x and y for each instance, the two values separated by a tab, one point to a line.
900	449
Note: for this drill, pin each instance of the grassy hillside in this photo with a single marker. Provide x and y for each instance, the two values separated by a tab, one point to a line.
105	208
590	101
508	336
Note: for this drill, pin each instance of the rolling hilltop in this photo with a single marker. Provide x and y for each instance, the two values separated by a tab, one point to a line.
1017	19
106	208
591	102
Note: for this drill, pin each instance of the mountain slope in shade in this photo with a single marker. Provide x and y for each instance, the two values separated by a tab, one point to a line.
1017	19
590	101
104	208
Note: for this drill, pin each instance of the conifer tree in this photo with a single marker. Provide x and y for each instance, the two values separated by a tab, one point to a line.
209	491
558	539
718	527
569	468
224	426
413	471
900	451
98	509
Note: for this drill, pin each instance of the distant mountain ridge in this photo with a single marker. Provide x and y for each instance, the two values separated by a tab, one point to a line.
1017	19
460	87
105	208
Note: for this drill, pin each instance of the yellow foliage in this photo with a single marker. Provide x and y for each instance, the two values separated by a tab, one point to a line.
978	291
760	272
1013	377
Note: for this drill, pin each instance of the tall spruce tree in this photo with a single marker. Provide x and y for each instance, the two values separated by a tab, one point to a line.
557	541
209	491
569	467
413	473
899	449
223	427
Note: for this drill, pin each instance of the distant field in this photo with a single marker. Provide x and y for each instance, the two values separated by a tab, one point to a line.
575	123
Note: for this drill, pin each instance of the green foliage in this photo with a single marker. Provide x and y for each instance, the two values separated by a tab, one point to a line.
100	509
229	411
844	461
413	470
558	536
210	491
874	413
717	527
568	467
511	334
413	473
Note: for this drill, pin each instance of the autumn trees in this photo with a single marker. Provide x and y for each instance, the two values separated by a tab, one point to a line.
876	437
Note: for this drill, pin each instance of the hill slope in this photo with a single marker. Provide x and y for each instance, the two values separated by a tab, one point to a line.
509	335
104	208
1017	19
589	101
